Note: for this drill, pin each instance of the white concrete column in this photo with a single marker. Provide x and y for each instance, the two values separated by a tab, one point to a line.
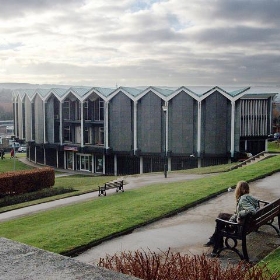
82	123
270	115
44	120
21	121
166	137
166	128
106	130
31	123
60	125
16	118
74	160
198	128
232	129
169	164
141	165
104	161
115	165
135	127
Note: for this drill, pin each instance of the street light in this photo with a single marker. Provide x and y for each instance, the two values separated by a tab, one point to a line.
164	109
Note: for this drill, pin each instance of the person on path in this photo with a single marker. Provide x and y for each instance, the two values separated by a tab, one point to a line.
245	204
12	153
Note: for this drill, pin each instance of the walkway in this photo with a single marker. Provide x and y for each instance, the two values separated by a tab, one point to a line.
130	183
188	231
185	233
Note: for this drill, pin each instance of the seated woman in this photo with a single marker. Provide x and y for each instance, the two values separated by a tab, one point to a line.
245	204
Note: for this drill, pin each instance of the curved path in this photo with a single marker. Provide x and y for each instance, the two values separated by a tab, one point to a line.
130	183
188	231
185	233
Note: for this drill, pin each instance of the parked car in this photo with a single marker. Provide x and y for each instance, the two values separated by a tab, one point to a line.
22	149
270	137
276	135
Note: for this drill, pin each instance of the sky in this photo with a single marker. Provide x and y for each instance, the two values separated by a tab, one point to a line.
140	43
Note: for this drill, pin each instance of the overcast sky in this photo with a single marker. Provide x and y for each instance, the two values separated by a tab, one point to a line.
138	43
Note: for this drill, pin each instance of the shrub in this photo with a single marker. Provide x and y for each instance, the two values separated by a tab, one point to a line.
174	266
19	182
15	199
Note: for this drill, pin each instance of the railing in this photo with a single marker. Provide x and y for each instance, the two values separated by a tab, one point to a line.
249	160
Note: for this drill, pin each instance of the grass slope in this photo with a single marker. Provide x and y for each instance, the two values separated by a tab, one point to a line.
66	228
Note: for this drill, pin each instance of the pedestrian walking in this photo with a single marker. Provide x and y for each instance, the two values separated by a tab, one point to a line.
12	153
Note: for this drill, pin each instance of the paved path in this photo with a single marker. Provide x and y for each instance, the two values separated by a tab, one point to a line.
188	231
130	183
185	232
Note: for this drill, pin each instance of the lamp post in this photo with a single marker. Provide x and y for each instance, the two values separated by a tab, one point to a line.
14	153
164	109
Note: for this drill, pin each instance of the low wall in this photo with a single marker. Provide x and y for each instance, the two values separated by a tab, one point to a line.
20	261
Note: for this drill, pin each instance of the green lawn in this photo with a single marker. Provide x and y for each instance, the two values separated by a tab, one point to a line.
63	229
12	164
84	184
273	147
272	261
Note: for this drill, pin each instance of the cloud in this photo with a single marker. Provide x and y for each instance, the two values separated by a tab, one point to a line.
132	42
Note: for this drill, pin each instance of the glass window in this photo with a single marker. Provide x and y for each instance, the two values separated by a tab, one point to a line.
87	135
98	164
86	111
77	110
67	134
70	160
99	135
84	162
66	110
99	110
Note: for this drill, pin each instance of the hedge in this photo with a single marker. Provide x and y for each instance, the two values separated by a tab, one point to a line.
20	182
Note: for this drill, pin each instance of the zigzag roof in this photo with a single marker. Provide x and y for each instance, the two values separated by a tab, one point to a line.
166	93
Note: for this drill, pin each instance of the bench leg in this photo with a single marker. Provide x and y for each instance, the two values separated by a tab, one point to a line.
119	188
218	241
278	218
244	249
101	191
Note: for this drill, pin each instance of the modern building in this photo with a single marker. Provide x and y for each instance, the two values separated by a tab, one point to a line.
139	130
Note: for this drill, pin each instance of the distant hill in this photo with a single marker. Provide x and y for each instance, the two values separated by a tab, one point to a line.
6	104
16	85
5	95
6	101
13	86
6	89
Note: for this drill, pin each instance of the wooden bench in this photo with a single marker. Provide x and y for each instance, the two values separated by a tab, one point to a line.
231	232
118	185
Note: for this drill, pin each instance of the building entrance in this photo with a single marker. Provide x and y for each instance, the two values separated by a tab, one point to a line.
98	164
84	162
